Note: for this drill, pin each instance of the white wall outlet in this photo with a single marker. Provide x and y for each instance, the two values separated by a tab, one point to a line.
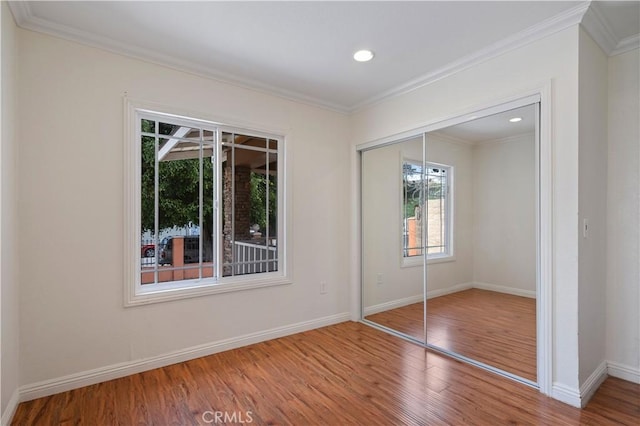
379	279
323	287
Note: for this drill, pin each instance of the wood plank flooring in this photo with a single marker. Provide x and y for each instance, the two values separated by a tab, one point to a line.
495	328
346	374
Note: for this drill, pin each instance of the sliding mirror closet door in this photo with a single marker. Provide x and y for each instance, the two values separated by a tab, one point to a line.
392	235
482	240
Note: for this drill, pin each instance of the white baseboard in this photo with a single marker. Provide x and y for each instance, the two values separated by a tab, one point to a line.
102	374
398	303
449	290
566	394
580	398
623	372
7	416
593	382
505	289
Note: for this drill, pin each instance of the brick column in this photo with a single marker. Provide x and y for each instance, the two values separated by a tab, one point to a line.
414	230
242	198
177	252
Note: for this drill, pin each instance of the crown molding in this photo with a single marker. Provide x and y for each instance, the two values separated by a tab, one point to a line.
586	13
600	29
504	140
627	44
25	19
442	137
545	28
21	11
438	134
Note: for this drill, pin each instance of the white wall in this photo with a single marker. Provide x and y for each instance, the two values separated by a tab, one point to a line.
553	59
9	332
592	205
623	217
504	215
70	122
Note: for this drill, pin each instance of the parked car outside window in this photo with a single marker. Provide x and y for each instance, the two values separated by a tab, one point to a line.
148	250
191	251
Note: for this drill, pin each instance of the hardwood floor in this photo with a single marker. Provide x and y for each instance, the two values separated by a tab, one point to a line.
495	328
346	374
407	319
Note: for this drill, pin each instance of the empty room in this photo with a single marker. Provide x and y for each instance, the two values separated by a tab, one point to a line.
306	213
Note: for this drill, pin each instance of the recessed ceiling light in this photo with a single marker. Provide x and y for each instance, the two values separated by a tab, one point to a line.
363	55
515	119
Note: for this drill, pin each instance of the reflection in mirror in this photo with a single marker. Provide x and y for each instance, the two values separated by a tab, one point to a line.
482	291
392	235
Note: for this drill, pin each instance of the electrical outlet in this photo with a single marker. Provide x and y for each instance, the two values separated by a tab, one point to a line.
379	279
323	287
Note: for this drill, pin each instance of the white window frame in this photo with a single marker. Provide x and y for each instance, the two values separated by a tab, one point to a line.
137	294
448	254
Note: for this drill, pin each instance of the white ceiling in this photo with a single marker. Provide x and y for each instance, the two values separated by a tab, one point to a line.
303	50
493	127
623	17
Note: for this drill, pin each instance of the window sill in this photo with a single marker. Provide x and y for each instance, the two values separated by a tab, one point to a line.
417	261
149	293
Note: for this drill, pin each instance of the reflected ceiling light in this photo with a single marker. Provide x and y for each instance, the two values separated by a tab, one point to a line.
515	119
363	55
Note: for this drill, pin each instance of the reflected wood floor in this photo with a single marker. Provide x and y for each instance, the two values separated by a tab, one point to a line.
346	374
495	328
408	320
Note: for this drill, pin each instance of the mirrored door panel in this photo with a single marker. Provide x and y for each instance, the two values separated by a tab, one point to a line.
481	212
392	237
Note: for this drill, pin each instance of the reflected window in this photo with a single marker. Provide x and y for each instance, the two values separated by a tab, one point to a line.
426	193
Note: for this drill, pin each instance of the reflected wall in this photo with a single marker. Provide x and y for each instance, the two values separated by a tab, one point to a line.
392	293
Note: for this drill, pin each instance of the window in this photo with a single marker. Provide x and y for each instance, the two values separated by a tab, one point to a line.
434	180
205	207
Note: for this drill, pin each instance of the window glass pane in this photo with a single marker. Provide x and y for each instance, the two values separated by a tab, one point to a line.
272	221
147	126
167	128
411	209
250	141
226	138
208	136
250	216
263	212
178	211
178	149
147	208
208	212
238	231
436	210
